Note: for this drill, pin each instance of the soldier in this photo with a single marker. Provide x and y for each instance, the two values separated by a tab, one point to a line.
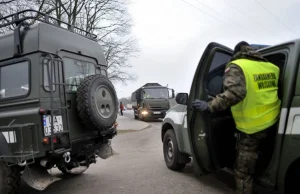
251	90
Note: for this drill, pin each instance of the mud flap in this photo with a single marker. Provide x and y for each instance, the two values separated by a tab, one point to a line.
38	177
105	151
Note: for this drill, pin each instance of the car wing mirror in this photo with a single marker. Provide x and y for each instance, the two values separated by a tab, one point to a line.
182	98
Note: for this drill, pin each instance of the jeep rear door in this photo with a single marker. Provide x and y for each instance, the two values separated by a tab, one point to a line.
76	67
213	57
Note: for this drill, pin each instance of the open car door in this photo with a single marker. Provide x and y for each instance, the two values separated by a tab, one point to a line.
213	60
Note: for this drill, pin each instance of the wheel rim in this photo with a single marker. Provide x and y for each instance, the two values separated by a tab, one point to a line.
104	102
170	149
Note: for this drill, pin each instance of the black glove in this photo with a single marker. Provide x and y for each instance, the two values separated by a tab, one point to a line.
200	105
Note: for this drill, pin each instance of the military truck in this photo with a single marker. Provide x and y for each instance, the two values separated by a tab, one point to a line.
57	106
151	101
209	138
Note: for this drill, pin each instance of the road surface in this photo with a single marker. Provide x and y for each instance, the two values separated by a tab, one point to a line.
139	168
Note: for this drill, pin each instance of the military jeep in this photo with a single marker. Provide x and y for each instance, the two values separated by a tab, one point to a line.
57	106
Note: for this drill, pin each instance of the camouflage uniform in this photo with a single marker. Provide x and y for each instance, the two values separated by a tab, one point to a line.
247	145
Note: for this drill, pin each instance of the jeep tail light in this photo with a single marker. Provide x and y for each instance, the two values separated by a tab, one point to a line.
46	140
55	140
42	111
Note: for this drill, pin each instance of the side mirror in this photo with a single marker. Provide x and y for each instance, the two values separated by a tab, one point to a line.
173	94
138	95
182	98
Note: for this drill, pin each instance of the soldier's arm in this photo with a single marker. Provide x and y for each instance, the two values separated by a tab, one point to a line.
234	89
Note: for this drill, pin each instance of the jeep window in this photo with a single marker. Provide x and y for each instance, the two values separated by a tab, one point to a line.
75	71
156	93
14	80
47	70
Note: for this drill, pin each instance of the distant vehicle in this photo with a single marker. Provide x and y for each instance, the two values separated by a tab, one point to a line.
151	101
57	106
129	106
209	138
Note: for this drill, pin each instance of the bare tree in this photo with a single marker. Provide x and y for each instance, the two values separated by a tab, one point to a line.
108	19
2	2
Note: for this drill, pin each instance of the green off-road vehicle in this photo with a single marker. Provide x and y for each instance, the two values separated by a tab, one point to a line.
209	138
57	106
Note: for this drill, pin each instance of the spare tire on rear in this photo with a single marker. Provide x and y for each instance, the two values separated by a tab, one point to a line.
97	102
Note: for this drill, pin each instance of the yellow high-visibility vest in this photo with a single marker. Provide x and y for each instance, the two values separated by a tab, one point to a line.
260	108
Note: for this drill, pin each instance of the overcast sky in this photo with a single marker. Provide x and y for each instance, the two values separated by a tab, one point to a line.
173	34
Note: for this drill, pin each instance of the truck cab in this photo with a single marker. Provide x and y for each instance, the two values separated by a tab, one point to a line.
151	101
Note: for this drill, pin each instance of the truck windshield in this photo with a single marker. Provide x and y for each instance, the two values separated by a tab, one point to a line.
156	93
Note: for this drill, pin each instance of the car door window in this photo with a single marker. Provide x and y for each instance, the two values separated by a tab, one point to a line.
214	84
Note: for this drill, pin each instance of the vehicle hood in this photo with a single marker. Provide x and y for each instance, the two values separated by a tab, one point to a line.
177	108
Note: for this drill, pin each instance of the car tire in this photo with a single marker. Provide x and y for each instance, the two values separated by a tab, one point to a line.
97	103
10	179
171	152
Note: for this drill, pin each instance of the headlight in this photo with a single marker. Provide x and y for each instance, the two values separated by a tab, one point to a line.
144	112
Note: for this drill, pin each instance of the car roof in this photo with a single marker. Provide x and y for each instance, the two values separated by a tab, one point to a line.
51	39
296	41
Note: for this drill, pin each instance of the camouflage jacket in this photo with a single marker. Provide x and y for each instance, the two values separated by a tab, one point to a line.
234	83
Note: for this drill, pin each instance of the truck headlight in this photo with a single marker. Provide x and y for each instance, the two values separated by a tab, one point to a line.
144	112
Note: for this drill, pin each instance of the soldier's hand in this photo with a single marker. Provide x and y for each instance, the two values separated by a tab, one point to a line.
200	105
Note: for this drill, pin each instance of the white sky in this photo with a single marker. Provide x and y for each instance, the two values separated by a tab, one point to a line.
173	35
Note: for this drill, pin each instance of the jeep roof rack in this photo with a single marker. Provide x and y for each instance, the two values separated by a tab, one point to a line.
30	14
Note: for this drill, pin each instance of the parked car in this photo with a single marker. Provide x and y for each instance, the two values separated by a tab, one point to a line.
209	138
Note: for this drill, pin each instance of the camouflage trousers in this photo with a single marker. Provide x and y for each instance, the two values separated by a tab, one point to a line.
246	156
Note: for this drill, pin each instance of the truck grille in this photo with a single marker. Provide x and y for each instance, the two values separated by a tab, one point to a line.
155	107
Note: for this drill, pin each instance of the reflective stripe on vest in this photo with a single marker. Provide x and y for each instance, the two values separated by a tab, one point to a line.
260	108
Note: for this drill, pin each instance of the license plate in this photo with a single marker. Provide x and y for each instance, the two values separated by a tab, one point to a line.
57	124
156	113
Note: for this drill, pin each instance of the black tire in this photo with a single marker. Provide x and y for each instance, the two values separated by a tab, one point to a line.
10	179
172	162
97	102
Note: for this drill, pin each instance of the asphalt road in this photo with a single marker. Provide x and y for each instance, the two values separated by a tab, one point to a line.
138	168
